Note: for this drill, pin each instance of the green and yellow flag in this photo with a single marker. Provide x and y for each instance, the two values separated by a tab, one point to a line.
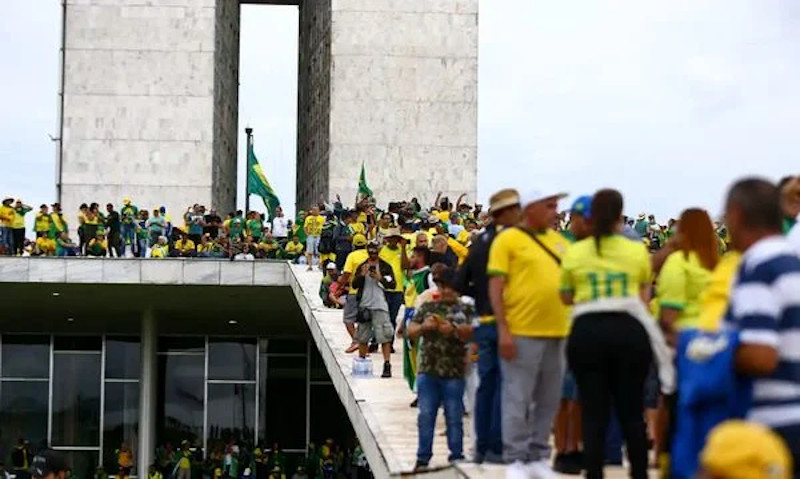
257	184
363	189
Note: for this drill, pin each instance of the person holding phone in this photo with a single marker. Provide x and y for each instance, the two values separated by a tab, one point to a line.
373	278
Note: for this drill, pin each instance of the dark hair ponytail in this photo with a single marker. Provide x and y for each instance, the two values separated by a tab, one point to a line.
606	212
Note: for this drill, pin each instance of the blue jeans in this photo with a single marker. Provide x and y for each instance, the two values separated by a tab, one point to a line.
141	247
7	240
433	392
395	300
488	420
128	236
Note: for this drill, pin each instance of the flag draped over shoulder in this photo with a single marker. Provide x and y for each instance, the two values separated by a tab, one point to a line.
257	184
363	189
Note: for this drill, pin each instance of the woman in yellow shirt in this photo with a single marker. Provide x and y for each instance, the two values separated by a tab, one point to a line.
686	273
606	277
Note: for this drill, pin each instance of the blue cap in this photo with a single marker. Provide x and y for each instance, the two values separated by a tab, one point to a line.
582	207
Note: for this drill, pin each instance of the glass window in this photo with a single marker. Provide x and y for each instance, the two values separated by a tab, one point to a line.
285	402
82	463
76	400
232	359
26	356
184	344
121	419
318	370
328	417
122	358
23	413
77	343
286	346
181	392
231	412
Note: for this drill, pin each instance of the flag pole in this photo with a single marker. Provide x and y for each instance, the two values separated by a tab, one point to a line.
249	132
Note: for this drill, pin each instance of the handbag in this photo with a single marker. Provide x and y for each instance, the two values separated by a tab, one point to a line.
363	315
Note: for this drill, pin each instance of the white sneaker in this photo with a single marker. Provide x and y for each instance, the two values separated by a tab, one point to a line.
540	470
517	470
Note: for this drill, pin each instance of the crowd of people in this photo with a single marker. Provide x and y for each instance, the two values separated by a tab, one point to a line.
225	460
131	231
678	341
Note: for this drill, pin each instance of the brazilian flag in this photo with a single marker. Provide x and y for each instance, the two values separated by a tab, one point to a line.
363	189
257	184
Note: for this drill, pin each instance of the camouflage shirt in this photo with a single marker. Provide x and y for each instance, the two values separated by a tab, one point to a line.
443	356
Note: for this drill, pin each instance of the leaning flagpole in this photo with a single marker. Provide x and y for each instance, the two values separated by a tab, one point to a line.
249	132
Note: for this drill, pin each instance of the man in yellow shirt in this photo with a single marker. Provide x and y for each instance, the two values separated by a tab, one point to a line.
313	227
184	247
41	225
18	226
294	249
6	220
525	269
356	258
394	253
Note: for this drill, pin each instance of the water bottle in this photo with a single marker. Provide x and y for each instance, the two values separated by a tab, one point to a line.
356	368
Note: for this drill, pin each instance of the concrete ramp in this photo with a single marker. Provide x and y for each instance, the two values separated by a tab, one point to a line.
378	408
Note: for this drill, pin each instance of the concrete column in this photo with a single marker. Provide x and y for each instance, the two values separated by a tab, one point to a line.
147	392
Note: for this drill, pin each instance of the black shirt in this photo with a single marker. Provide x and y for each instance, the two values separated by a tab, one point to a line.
212	231
112	221
472	279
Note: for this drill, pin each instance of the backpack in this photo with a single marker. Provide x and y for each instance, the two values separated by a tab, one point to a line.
326	239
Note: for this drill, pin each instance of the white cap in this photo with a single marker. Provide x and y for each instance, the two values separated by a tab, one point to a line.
535	196
331	265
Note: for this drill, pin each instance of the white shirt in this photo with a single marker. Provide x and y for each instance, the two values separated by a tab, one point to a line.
280	227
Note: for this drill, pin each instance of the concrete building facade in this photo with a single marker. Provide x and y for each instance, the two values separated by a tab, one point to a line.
149	100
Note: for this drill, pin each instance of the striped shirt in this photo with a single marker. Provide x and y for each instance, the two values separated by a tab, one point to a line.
765	308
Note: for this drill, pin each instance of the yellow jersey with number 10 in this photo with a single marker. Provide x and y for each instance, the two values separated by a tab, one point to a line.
616	272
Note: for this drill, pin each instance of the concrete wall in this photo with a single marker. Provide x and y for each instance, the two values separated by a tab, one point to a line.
404	77
141	83
313	102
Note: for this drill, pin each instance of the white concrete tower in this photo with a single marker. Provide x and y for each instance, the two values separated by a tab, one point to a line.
150	101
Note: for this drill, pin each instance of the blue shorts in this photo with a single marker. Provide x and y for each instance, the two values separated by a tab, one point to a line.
312	245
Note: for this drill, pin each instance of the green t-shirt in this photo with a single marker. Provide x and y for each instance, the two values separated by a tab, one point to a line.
129	213
237	226
254	227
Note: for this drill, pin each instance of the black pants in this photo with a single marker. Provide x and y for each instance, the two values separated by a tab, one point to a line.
114	243
610	355
19	240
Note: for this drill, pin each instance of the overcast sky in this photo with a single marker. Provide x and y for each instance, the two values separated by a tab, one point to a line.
666	101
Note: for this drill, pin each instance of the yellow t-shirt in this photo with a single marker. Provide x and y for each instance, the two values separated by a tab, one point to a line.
464	237
714	299
46	245
294	248
622	266
353	261
159	252
19	220
182	245
393	258
679	286
533	306
444	216
313	225
459	249
91	220
7	214
359	228
42	222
